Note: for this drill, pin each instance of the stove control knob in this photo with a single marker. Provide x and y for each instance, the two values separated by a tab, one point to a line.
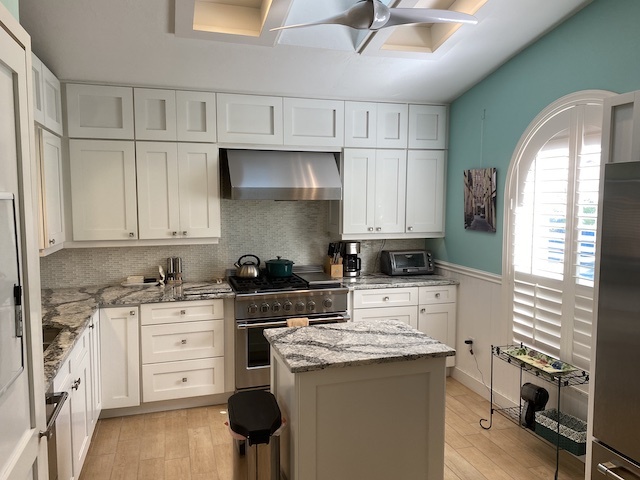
311	306
327	303
276	306
264	308
300	306
287	306
253	308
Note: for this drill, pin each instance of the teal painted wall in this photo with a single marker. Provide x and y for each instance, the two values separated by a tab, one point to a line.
598	48
12	6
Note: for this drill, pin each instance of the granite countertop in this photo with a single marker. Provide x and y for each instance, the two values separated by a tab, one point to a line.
72	308
380	280
352	343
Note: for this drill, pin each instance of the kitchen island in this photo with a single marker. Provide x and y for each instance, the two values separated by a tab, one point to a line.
362	400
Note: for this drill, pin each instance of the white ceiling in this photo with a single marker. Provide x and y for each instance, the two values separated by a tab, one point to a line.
133	42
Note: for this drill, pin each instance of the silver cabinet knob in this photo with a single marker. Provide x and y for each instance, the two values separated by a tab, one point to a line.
132	313
183	341
410	229
184	233
378	229
385	299
423	310
174	234
131	234
370	229
76	384
437	295
183	312
184	379
52	241
91	326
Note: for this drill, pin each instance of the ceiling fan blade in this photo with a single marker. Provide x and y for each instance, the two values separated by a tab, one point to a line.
407	16
360	16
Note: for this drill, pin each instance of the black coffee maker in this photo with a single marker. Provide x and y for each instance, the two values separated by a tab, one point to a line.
351	264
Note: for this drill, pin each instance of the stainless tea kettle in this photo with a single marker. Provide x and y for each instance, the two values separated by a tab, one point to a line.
247	269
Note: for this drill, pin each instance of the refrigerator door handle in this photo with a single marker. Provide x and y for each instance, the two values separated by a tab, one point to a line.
606	469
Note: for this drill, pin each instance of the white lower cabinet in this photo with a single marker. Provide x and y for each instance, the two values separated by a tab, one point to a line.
182	349
119	353
74	426
386	304
437	315
432	310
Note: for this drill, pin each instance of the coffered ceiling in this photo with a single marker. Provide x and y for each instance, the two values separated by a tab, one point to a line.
227	45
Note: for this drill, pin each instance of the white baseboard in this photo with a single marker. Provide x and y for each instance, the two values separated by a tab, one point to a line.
477	387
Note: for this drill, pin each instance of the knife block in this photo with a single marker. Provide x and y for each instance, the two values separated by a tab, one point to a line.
333	269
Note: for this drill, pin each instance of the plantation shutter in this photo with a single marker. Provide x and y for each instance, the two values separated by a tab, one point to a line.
554	225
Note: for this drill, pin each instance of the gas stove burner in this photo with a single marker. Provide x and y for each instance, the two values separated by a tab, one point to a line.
264	283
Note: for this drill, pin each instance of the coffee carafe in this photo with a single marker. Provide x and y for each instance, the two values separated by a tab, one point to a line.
351	264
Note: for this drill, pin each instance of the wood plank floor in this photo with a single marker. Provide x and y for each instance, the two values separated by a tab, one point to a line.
194	444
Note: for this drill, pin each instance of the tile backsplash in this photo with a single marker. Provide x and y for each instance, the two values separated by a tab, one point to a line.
294	230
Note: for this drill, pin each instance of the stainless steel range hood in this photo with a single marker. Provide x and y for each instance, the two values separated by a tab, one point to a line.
279	175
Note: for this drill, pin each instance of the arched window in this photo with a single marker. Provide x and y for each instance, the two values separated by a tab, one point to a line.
550	236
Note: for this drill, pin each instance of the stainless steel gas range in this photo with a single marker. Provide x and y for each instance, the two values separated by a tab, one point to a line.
266	302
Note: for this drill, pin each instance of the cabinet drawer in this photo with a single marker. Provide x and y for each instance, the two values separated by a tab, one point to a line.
408	315
158	313
385	297
444	294
190	378
182	341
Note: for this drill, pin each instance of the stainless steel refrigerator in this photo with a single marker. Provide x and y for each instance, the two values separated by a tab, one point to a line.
616	419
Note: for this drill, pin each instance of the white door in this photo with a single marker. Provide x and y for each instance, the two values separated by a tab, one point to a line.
103	190
157	178
359	170
425	191
391	184
119	353
22	412
199	190
53	202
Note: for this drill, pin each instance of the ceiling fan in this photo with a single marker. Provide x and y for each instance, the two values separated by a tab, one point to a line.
374	15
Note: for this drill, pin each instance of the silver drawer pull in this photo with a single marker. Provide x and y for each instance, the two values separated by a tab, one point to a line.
183	312
607	468
184	379
52	241
76	384
183	341
58	399
437	295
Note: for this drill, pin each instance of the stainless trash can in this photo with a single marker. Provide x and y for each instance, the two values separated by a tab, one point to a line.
255	416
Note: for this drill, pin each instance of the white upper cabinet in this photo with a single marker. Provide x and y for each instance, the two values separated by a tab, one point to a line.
52	198
428	127
621	128
425	192
392	125
196	116
178	190
103	189
310	122
47	98
97	111
199	190
374	191
38	96
251	119
157	173
155	114
360	124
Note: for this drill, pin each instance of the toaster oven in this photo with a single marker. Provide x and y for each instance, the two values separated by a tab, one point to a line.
406	262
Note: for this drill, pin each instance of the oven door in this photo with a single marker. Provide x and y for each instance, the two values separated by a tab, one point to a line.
252	348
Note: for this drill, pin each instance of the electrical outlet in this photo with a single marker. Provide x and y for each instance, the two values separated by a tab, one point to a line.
469	341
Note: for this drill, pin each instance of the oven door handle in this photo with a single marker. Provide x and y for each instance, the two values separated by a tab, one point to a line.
283	323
